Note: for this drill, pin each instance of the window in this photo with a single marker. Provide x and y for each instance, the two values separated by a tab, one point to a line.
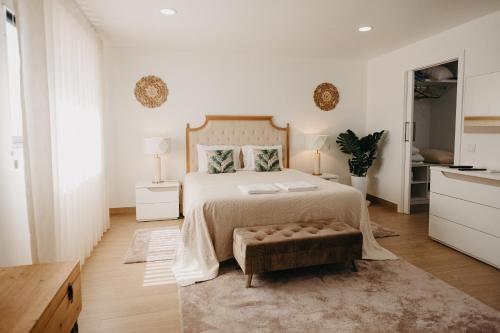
14	77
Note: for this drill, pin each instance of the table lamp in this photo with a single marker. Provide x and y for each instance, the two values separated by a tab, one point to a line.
316	142
156	146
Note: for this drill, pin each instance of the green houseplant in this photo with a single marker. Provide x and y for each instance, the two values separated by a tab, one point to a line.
363	152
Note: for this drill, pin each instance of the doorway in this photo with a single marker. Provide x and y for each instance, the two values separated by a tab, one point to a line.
432	128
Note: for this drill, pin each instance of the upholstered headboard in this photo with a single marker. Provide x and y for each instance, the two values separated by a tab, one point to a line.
236	130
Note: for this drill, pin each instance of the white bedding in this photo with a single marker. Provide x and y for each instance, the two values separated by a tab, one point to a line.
214	206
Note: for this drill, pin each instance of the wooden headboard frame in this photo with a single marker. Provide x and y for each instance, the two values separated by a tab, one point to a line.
236	120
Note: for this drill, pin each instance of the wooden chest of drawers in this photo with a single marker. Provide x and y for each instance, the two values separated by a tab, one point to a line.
40	298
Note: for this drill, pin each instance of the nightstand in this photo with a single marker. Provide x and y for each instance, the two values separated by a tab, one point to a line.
329	176
157	201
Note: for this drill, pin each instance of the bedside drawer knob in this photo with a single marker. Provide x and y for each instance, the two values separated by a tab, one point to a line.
70	293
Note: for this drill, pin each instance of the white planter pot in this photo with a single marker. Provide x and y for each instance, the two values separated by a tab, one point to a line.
361	184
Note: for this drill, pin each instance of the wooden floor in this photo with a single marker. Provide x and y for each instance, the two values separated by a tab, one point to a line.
115	300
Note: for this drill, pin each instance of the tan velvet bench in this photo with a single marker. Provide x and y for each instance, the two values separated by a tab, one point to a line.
284	246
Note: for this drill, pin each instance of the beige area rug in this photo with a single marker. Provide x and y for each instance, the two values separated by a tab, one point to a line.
384	296
153	245
381	231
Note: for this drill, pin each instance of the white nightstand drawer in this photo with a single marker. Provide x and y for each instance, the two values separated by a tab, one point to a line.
156	194
157	211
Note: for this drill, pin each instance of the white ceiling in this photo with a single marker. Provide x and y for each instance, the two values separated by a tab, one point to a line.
319	28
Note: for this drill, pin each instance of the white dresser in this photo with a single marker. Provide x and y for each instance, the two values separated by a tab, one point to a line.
465	212
157	201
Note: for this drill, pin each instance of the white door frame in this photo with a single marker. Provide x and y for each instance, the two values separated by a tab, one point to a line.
408	125
407	140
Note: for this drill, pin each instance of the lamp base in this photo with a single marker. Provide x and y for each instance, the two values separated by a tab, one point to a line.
157	164
317	168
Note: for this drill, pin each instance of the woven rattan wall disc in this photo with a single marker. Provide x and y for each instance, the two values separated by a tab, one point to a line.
151	91
326	96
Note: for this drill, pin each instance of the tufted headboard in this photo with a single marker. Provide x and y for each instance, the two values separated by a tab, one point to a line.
236	130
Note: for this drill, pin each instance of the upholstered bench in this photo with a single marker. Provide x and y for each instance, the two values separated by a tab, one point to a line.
284	246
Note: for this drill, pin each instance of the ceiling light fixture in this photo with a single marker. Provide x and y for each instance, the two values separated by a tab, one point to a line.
365	29
168	11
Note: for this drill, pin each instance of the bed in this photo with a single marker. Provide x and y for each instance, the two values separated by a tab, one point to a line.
214	206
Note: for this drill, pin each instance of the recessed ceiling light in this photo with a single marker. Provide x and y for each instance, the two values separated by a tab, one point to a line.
168	11
365	29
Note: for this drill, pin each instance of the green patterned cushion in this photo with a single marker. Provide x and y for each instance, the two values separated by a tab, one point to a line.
220	161
266	160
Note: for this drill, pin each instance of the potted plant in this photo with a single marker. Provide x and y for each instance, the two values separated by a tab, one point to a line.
363	152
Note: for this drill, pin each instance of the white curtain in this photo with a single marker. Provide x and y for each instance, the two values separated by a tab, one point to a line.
73	66
75	85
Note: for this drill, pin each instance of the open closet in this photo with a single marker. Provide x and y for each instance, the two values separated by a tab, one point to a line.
433	120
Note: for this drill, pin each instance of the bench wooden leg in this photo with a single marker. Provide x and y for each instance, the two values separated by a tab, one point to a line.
354	268
249	280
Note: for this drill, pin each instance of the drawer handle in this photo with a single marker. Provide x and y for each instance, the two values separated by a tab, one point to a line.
70	293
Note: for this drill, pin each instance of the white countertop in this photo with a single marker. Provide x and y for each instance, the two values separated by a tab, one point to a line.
480	174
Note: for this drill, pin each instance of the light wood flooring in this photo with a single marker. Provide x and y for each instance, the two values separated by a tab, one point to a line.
115	300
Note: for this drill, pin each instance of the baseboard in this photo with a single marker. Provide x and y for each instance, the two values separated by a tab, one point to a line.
382	202
122	211
129	211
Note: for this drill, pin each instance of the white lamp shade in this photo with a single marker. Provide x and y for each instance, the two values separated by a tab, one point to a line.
316	141
156	146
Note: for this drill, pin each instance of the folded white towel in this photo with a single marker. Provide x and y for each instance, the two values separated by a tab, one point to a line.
297	186
414	150
258	188
417	158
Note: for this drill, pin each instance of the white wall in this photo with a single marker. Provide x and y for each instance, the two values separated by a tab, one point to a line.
212	84
15	246
422	120
435	121
442	124
385	95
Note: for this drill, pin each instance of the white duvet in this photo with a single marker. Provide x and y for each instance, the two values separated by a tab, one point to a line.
214	206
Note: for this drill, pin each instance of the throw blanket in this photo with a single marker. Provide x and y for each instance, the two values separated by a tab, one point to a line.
214	206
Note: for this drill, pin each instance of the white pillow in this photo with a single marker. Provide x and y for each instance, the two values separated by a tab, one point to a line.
438	73
417	158
203	160
249	160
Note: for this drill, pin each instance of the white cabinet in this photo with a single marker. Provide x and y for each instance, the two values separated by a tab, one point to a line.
465	212
481	95
420	178
157	201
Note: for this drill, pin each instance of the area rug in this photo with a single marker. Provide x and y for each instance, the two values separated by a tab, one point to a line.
383	296
153	245
381	231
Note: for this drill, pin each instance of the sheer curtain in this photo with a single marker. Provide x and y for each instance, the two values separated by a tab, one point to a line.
63	106
76	106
